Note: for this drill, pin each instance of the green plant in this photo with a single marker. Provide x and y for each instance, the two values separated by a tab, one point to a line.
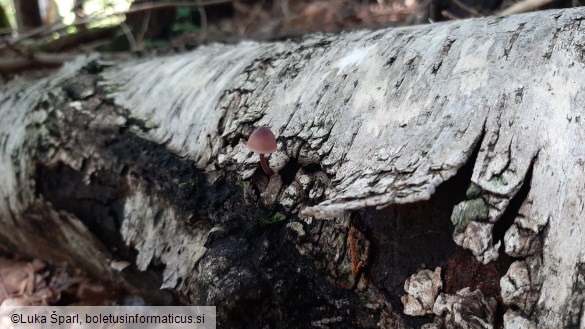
180	27
182	21
276	218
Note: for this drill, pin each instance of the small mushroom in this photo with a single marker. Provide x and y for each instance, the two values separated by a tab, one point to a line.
262	141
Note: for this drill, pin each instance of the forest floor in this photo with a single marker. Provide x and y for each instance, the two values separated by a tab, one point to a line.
33	282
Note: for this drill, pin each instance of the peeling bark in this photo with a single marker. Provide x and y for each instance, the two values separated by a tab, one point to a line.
390	133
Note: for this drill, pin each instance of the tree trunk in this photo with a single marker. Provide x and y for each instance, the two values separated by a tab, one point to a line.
4	23
395	149
28	14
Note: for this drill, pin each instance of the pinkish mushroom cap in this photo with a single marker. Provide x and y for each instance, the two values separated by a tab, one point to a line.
262	141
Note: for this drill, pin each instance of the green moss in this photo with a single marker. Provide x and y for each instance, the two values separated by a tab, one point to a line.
341	241
473	191
499	180
468	211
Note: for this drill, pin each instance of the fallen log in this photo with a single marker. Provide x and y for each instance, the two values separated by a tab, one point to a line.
395	149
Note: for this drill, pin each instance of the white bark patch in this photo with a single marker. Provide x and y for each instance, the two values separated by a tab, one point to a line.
477	237
19	113
521	242
15	164
353	59
158	236
515	320
466	309
521	284
181	102
422	289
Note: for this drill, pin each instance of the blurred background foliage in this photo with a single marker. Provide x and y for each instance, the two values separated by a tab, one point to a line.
39	34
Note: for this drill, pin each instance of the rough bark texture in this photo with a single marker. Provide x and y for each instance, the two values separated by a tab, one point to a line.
413	140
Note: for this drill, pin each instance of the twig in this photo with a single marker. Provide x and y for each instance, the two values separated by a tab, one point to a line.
129	36
524	6
467	8
32	33
16	50
426	4
203	17
38	59
256	11
143	29
449	15
70	40
284	7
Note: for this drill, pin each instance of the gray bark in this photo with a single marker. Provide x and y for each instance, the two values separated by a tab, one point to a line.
479	121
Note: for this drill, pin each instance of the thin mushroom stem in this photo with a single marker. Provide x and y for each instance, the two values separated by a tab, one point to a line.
265	166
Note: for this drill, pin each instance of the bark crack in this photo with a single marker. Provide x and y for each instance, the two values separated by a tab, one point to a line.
515	35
